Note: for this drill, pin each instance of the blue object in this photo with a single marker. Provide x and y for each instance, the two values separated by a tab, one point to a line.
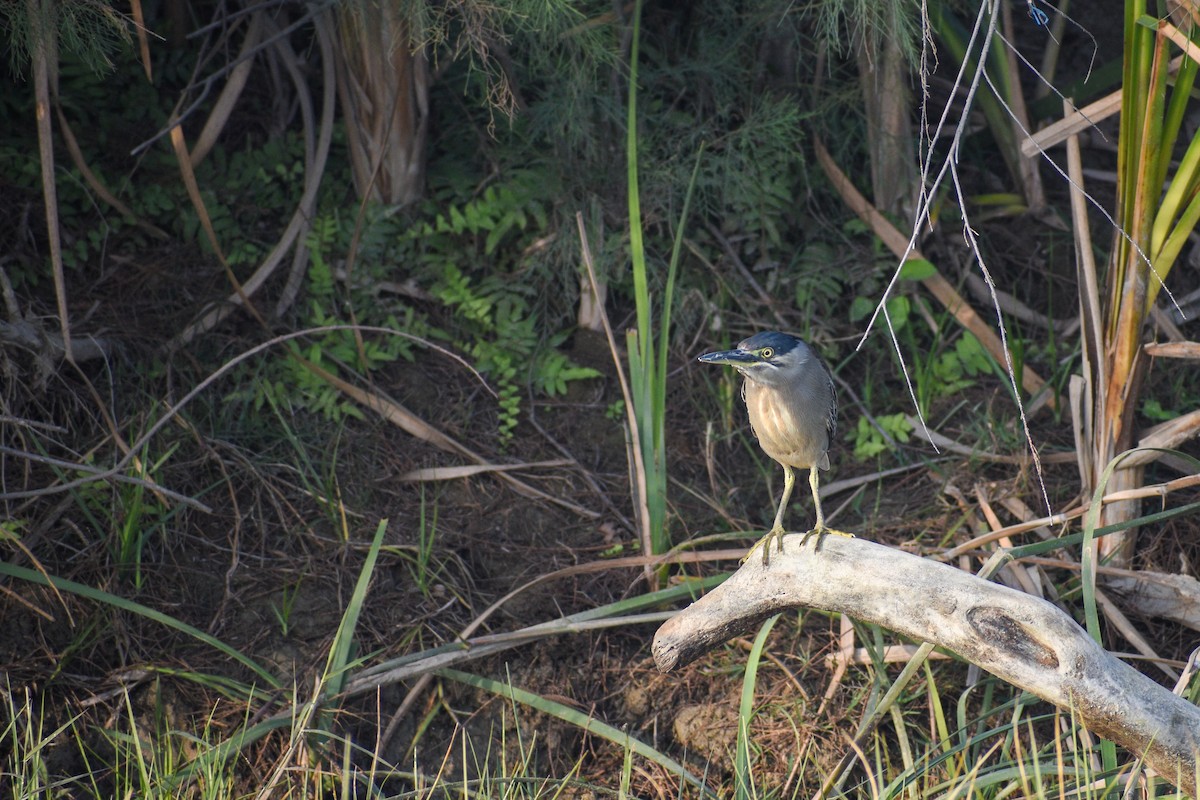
1038	16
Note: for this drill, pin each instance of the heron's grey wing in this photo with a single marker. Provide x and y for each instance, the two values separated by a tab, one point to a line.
831	420
745	403
831	417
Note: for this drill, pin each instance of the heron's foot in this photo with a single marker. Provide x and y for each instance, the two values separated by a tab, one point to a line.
765	543
820	531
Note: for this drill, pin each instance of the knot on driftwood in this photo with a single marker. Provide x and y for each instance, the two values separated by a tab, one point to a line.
995	626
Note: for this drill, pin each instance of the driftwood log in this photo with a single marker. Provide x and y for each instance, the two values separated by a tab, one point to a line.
1019	638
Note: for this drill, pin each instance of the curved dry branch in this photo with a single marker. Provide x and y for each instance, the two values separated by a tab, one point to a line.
313	174
1019	638
227	100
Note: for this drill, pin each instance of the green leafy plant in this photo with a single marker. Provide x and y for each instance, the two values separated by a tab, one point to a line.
421	565
130	511
289	382
494	319
817	287
554	372
939	371
869	441
898	309
464	253
505	336
1152	409
1154	226
951	370
283	610
257	184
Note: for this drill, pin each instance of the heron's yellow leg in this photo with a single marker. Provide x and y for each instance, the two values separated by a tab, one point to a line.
820	530
776	532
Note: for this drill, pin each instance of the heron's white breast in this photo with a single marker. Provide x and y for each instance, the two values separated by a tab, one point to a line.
781	426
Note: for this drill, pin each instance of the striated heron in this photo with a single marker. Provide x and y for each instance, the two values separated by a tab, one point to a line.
790	397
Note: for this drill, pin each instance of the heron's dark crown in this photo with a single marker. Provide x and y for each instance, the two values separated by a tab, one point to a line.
781	343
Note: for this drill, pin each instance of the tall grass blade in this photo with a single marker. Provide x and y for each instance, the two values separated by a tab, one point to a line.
640	342
415	664
213	759
648	363
637	248
1092	531
742	779
578	718
343	640
122	604
664	335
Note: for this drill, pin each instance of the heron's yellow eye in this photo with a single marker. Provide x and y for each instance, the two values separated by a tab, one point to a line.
766	352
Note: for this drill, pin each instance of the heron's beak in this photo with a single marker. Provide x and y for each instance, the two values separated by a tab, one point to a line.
734	358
